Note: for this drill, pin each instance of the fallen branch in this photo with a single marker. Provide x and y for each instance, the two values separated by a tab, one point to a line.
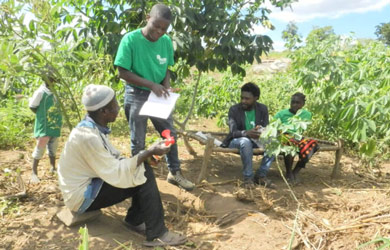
15	196
205	183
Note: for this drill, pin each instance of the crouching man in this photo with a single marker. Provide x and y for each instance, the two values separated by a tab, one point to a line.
92	175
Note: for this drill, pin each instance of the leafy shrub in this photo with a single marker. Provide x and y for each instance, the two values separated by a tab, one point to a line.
217	94
348	85
16	123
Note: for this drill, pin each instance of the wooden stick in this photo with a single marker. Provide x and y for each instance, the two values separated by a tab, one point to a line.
15	196
336	168
206	157
216	183
342	228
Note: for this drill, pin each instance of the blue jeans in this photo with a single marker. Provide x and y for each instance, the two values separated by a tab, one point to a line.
246	146
134	99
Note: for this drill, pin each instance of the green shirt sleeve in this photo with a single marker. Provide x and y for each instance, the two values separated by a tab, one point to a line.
124	53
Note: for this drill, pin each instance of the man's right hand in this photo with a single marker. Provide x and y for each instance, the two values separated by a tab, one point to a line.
253	133
160	90
159	148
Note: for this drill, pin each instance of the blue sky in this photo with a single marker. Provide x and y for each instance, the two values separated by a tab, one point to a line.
345	16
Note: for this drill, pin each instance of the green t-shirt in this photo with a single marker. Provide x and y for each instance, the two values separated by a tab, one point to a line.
48	119
285	115
149	60
250	119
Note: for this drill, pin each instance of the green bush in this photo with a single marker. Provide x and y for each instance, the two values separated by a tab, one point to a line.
217	94
16	123
348	85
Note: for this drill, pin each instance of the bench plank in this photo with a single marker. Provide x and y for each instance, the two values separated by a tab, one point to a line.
211	148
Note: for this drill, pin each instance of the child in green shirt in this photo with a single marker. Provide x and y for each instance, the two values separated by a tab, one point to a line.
307	147
47	128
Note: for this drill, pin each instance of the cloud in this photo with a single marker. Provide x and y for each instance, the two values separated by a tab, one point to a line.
278	45
306	10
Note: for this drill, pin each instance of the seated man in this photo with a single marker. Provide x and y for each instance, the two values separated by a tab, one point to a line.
245	122
92	175
307	147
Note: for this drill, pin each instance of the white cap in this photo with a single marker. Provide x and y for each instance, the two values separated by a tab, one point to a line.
96	96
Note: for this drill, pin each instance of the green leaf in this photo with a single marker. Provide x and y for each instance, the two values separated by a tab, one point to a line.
31	25
84	245
371	124
368	148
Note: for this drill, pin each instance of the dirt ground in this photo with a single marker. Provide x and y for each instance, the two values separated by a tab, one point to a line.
340	213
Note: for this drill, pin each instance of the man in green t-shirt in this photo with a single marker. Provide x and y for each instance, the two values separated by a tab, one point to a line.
245	122
143	58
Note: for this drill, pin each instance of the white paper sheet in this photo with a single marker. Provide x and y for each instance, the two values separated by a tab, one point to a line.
159	107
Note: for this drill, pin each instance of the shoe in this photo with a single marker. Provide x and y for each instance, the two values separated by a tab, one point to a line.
248	183
179	180
167	239
264	181
140	229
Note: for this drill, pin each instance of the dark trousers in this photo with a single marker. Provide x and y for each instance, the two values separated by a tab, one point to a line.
145	207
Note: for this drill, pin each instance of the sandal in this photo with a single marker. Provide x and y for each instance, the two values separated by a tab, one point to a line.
140	229
167	239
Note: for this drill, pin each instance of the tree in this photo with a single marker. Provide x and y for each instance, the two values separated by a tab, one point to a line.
320	33
48	40
291	36
206	34
79	38
383	32
291	30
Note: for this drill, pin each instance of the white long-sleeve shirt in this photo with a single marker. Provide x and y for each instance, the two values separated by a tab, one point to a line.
89	154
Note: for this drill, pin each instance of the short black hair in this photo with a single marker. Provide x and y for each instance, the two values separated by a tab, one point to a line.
161	10
251	87
300	96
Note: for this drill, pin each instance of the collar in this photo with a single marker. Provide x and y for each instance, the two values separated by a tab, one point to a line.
102	129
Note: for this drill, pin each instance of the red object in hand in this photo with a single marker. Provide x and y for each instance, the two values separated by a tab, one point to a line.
167	135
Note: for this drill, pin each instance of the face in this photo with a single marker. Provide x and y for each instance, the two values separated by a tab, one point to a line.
111	110
156	28
248	100
296	104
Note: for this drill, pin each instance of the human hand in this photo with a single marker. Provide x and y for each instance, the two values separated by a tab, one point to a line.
159	148
174	90
253	133
160	90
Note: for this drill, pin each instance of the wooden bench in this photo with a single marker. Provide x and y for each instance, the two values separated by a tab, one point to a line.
211	148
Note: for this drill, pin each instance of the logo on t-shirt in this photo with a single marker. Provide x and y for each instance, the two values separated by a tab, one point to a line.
161	60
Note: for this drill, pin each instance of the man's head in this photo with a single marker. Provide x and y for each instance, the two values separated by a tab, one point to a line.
250	93
297	102
158	22
100	102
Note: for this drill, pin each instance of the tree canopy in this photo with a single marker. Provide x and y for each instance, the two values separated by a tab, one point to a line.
383	32
206	34
78	39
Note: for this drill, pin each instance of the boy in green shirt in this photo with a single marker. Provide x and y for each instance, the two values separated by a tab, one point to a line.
307	147
143	58
47	129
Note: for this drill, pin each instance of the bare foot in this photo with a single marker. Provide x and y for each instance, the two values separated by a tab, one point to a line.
34	179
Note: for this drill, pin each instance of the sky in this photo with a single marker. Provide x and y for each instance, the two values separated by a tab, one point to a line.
345	16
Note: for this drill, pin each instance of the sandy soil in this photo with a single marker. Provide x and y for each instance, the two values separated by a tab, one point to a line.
330	213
